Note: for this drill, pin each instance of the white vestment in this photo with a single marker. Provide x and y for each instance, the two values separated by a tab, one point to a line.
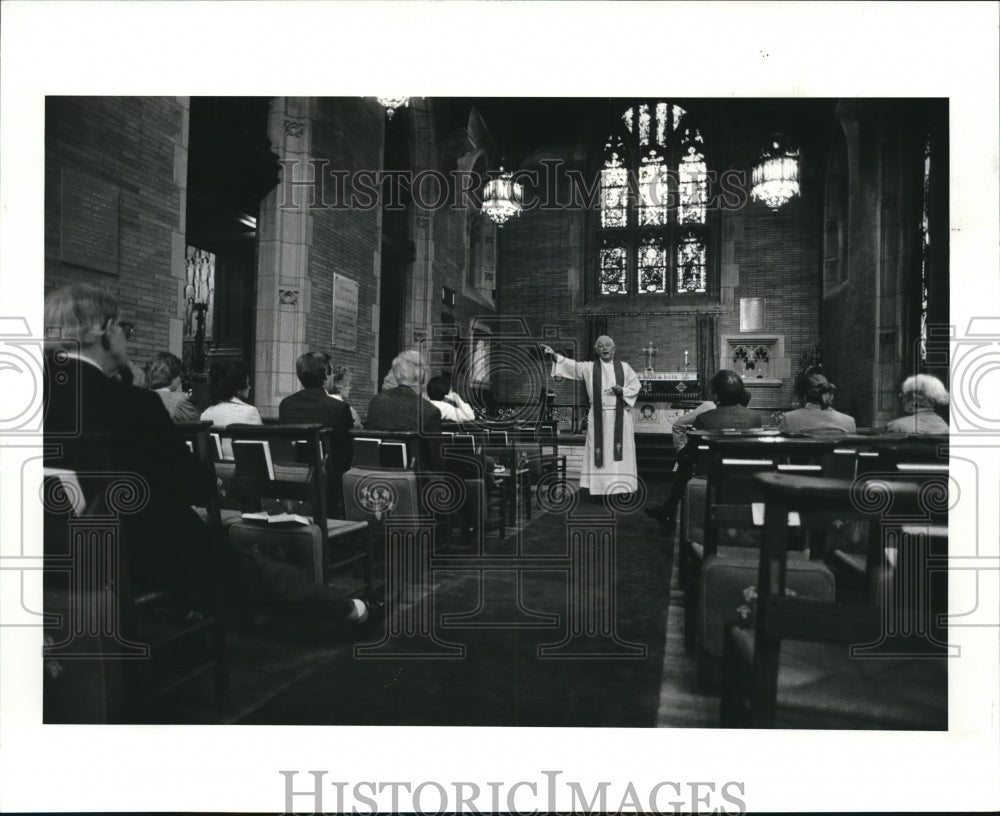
613	477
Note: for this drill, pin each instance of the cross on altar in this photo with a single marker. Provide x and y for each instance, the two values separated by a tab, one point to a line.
618	447
650	354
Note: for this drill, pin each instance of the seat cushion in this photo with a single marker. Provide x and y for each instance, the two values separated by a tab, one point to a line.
726	577
821	686
298	545
371	495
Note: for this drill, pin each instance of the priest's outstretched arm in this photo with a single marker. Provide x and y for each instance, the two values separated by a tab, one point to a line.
565	366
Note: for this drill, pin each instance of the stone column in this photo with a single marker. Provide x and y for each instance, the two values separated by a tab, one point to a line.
285	230
178	235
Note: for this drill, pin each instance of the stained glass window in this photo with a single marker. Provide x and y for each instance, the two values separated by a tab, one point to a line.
691	253
692	181
654	204
652	265
925	250
613	271
614	185
654	190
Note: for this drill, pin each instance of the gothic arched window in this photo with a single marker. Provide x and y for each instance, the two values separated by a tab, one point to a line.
653	228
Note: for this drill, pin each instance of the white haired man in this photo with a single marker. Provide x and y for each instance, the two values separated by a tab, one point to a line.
609	464
921	395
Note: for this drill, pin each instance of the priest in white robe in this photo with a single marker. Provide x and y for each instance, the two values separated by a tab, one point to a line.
609	455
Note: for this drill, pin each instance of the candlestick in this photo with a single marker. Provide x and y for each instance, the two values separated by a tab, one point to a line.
685	357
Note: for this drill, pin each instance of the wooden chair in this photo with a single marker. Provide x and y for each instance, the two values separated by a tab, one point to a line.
551	464
823	664
512	478
387	479
113	650
729	533
199	438
288	463
862	573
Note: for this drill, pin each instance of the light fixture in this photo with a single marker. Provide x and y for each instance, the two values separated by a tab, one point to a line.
390	103
776	174
502	198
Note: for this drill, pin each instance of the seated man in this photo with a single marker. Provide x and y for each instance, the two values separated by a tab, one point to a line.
452	407
679	430
166	543
314	405
730	412
731	399
921	395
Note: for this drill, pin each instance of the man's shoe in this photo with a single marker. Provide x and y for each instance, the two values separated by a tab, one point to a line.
374	612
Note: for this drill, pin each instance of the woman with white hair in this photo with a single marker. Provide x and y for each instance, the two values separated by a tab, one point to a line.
921	394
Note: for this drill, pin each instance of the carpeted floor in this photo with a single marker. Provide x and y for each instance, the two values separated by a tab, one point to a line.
285	674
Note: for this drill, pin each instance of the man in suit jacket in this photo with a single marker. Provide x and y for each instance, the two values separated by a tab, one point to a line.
727	388
165	542
403	409
731	399
314	405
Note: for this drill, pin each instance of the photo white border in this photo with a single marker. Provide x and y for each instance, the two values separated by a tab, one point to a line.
503	49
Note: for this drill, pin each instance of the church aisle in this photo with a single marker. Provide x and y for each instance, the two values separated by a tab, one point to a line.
502	680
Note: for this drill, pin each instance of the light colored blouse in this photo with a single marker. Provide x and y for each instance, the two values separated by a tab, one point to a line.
460	411
234	412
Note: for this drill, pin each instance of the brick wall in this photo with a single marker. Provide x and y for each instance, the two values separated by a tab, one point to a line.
775	256
349	134
138	145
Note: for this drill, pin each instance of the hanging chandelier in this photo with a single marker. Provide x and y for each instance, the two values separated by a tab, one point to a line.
776	174
502	198
390	103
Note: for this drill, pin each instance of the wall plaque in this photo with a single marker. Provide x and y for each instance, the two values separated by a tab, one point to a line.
345	312
88	227
751	314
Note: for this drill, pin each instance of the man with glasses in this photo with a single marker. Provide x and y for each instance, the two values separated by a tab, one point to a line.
166	543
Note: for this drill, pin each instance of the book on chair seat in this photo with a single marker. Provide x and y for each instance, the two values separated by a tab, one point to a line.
277	518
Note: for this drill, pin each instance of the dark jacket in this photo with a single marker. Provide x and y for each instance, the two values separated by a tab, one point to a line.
165	540
727	417
314	405
403	409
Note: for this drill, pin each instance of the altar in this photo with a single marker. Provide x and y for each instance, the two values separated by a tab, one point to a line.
663	398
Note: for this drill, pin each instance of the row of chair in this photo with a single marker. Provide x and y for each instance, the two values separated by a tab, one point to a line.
762	532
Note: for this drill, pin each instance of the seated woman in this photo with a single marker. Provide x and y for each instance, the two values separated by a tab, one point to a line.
341	390
817	414
163	375
921	394
452	407
230	387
